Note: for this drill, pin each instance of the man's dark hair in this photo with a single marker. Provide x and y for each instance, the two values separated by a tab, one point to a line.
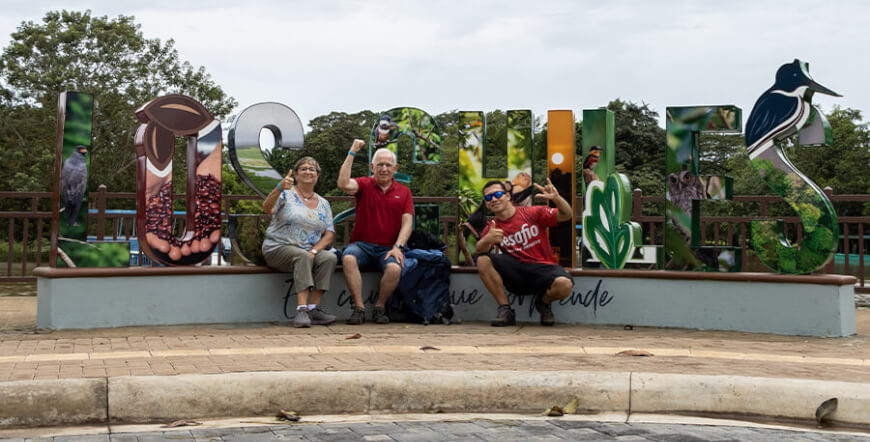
493	183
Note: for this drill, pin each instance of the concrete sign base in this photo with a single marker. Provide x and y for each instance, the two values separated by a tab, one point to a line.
815	305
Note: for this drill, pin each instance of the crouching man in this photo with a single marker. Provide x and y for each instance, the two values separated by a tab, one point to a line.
526	265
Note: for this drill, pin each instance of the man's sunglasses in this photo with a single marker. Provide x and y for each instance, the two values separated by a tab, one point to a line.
497	194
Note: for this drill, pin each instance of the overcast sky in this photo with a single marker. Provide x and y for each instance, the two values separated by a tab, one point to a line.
322	56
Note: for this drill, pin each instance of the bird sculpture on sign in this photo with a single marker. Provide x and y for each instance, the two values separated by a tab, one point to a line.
782	110
74	179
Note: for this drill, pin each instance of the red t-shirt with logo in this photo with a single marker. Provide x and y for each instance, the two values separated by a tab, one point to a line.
379	214
525	234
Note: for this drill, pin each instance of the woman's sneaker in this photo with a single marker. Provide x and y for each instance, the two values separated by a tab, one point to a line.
302	320
357	316
320	317
505	317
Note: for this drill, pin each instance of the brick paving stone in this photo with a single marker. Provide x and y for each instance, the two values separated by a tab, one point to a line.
90	372
124	437
39	439
417	436
375	428
455	427
88	438
258	429
163	437
618	429
249	437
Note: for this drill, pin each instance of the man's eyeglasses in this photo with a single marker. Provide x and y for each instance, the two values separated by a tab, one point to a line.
497	194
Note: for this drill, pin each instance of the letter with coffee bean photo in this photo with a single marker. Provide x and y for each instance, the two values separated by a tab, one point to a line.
163	119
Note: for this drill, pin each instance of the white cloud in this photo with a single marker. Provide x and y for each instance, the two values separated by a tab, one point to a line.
348	56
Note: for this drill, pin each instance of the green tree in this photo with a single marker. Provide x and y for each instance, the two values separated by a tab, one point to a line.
640	141
109	58
328	141
840	165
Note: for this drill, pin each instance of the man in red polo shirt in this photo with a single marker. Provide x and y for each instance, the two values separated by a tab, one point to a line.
383	222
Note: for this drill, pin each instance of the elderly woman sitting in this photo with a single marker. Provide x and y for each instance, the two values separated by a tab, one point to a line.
298	239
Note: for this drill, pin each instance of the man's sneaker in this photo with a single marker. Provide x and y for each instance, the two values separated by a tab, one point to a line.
505	317
357	316
302	320
379	316
546	311
320	317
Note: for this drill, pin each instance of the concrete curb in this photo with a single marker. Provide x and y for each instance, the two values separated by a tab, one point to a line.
792	399
57	402
149	399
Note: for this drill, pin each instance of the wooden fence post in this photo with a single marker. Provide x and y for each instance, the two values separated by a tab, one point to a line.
829	268
101	211
637	203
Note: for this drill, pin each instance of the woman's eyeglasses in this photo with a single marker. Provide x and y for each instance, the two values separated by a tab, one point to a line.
307	169
497	194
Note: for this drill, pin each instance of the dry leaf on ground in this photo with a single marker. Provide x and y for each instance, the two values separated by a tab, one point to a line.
829	406
634	353
571	406
287	416
555	411
182	423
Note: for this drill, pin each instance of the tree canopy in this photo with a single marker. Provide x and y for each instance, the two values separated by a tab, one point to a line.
107	57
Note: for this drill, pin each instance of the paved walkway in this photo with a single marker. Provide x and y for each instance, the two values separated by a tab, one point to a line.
29	354
461	429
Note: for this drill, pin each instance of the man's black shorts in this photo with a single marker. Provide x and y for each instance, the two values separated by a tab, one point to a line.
523	278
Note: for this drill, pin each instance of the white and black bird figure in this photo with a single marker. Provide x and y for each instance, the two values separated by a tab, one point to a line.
783	109
382	135
74	178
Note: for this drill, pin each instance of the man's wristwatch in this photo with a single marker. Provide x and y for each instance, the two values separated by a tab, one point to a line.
398	246
314	251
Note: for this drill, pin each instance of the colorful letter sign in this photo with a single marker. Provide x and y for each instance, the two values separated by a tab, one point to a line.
411	122
75	113
163	119
686	188
473	158
255	163
608	233
560	170
781	111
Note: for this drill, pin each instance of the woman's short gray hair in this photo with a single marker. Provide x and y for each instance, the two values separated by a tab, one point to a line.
304	160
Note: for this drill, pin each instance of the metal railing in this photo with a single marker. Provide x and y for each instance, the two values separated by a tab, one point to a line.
29	230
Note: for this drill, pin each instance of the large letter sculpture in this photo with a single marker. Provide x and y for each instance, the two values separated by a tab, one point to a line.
425	134
411	122
72	163
781	111
686	188
255	163
560	170
474	155
163	119
258	165
608	234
